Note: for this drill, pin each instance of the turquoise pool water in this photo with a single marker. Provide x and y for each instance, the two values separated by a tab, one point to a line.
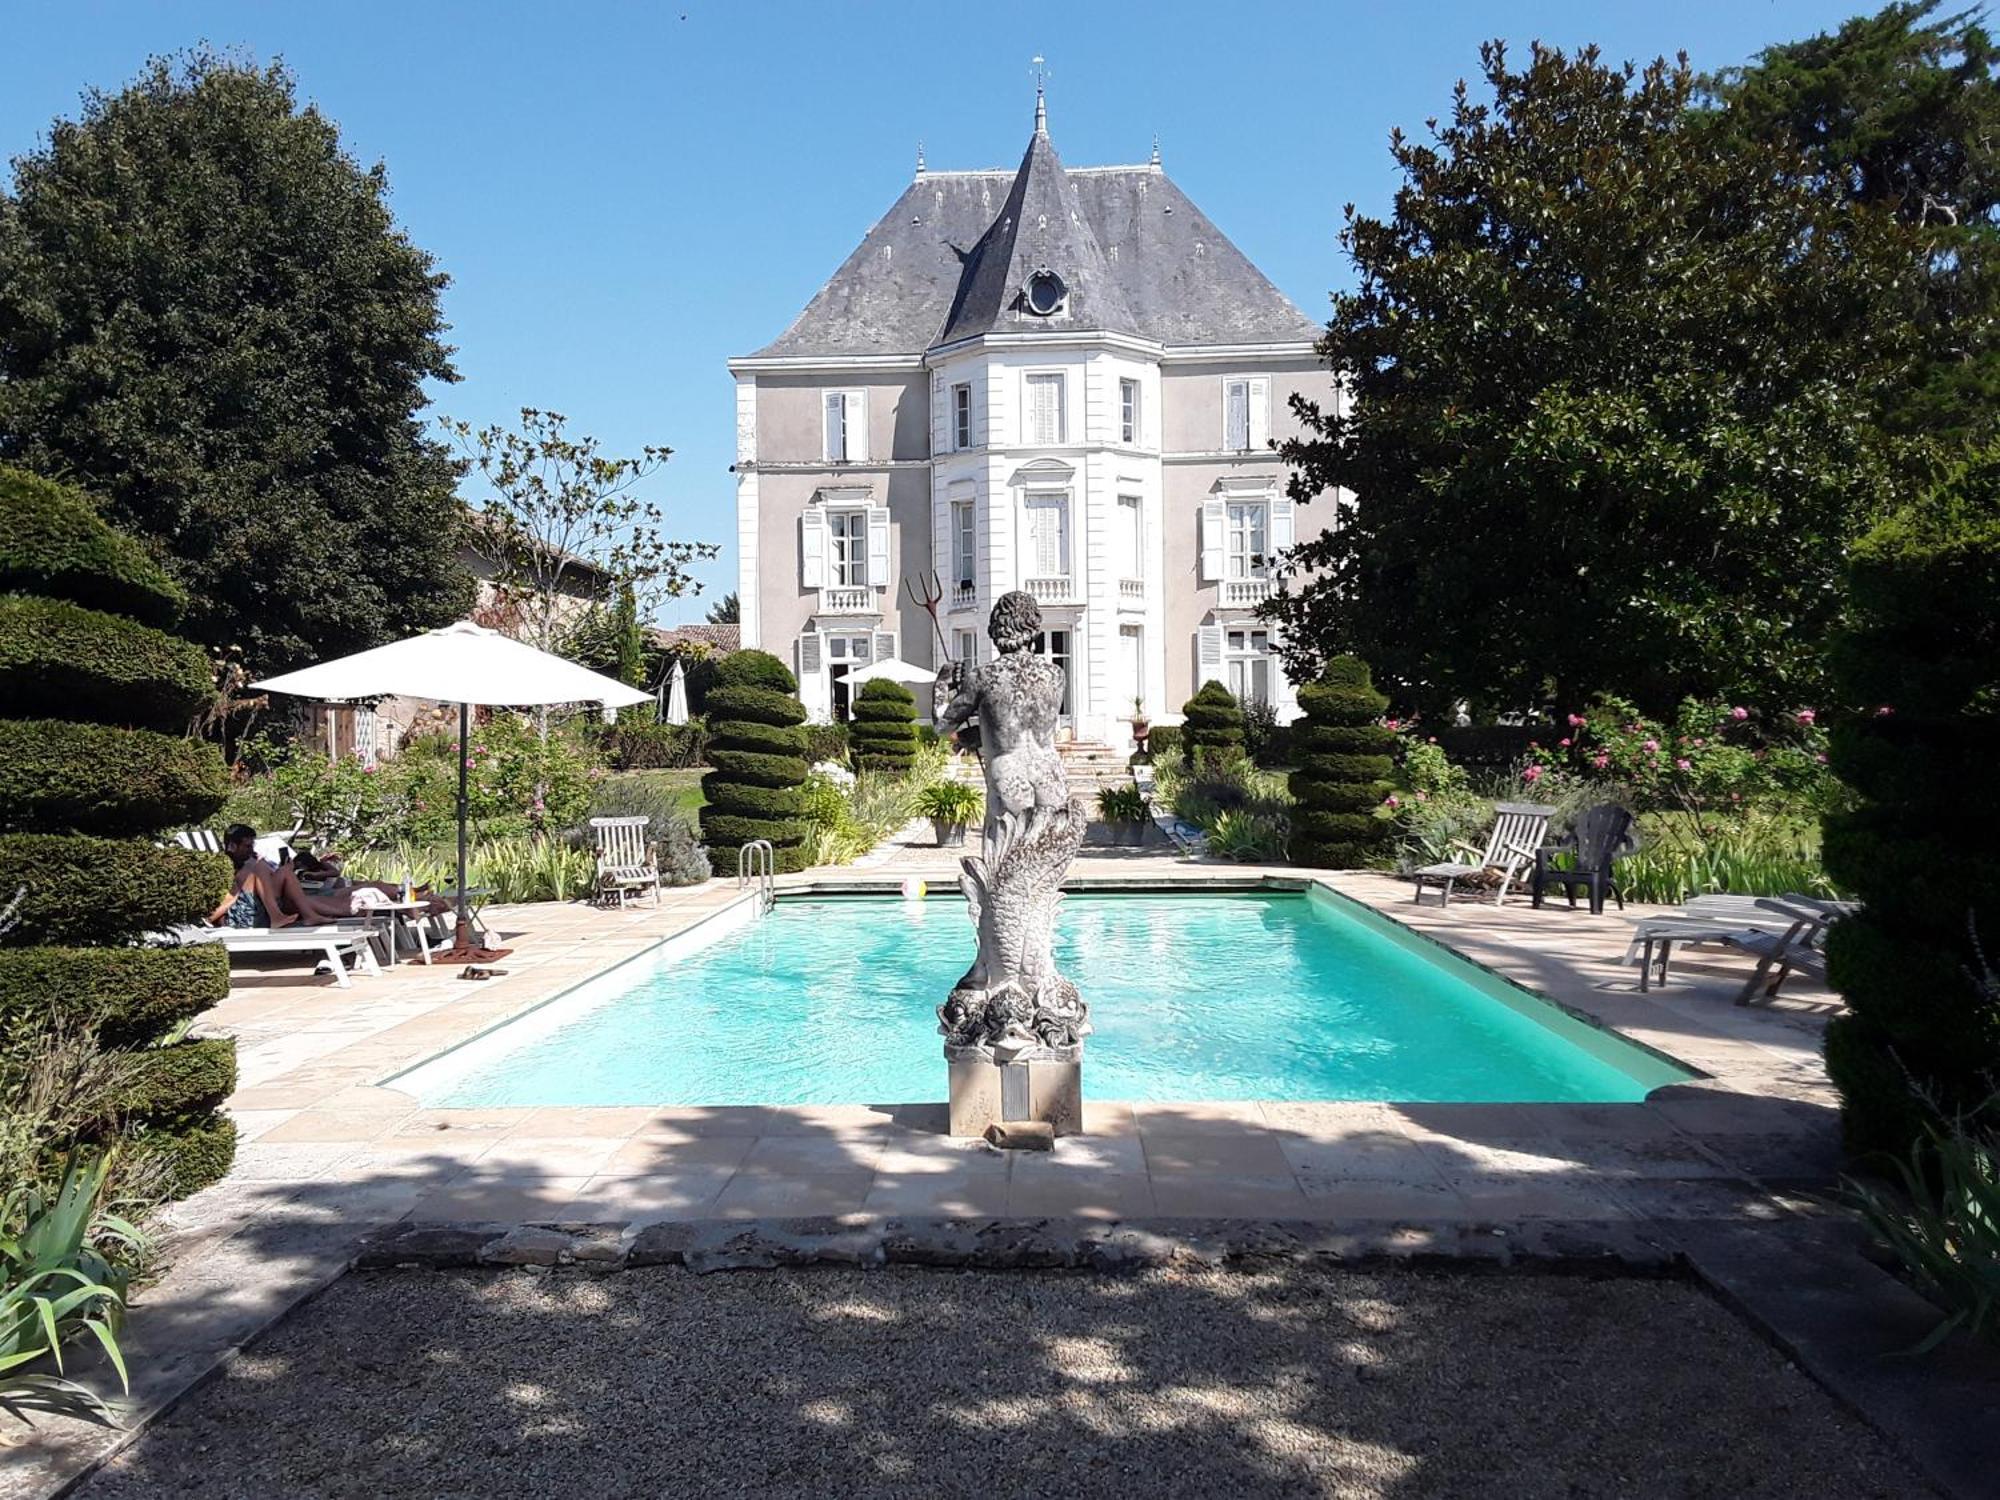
1194	996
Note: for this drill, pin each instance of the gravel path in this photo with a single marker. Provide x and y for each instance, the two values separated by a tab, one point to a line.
922	1383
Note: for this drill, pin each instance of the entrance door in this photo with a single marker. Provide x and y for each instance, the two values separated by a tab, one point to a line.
1054	645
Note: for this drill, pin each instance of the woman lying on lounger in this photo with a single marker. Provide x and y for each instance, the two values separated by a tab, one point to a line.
329	884
268	895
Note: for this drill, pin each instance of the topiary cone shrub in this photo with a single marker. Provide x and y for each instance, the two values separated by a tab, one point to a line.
757	746
1212	724
1920	848
884	727
1343	758
95	769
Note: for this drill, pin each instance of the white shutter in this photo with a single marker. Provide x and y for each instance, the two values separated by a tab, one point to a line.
857	426
1284	696
1260	412
1235	415
833	426
1211	540
885	645
1207	655
812	548
812	675
878	546
1283	526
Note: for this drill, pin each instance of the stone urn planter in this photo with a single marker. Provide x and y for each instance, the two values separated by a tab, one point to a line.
950	805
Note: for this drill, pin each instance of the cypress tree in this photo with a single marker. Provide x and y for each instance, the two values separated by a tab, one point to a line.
757	746
1921	846
884	731
1343	759
95	768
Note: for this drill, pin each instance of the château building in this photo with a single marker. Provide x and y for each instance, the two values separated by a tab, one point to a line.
1059	379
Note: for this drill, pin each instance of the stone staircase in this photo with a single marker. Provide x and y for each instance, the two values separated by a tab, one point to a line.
1093	767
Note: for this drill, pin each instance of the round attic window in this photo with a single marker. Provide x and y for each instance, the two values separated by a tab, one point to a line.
1045	293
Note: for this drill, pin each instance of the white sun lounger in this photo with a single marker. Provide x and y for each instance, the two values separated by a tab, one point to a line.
333	943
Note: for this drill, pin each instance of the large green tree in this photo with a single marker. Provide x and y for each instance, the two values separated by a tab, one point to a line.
1610	403
209	319
1902	109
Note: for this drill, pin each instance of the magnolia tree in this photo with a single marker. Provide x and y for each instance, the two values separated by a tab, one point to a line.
566	531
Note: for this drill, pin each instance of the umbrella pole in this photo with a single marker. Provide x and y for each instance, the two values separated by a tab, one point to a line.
464	933
464	949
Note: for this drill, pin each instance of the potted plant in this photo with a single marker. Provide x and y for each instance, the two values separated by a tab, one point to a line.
950	805
1123	810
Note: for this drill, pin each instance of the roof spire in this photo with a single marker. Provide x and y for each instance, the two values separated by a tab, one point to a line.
1156	149
1041	108
920	158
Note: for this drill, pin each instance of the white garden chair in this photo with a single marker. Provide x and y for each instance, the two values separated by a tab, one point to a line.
625	859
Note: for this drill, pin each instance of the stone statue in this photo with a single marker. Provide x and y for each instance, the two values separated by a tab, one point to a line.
1012	1005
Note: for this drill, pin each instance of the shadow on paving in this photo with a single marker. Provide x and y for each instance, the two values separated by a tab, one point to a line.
913	1382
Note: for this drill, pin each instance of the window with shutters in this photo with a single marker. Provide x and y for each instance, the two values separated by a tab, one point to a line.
965	646
1048	533
1247	662
1046	422
964	544
847	548
1128	411
1247	536
961	416
846	432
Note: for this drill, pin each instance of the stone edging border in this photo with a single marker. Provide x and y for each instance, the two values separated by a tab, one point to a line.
1018	1244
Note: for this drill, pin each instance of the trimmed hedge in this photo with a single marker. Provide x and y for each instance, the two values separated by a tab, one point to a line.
83	890
63	785
788	740
127	995
750	800
884	727
639	745
754	705
754	768
53	543
62	660
754	793
1211	722
196	1149
57	777
180	1079
1921	849
1343	761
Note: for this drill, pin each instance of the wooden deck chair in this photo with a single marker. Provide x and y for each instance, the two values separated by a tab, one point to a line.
1518	831
625	859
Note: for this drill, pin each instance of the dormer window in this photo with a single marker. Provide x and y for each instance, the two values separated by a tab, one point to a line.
1046	294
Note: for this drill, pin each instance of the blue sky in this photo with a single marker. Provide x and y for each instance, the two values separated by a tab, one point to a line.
627	195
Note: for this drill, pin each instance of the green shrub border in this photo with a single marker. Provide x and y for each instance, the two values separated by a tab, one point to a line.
83	890
60	777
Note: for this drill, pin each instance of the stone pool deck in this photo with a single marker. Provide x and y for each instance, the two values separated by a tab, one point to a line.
1722	1172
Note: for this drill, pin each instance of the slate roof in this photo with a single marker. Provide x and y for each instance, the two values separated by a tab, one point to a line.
950	256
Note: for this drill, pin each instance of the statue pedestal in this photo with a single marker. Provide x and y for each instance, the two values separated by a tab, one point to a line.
1045	1089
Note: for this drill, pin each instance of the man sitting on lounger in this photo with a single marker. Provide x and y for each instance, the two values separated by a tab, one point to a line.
268	895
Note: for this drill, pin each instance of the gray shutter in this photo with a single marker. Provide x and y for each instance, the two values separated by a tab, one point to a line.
885	645
1236	415
1207	655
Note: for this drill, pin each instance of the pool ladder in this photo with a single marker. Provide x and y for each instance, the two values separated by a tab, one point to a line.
756	861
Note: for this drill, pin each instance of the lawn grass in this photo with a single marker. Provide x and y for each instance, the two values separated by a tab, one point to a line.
682	786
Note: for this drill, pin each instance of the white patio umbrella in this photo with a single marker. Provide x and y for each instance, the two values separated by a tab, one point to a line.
463	664
896	670
677	694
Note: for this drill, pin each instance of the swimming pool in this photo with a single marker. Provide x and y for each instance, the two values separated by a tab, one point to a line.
1194	996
